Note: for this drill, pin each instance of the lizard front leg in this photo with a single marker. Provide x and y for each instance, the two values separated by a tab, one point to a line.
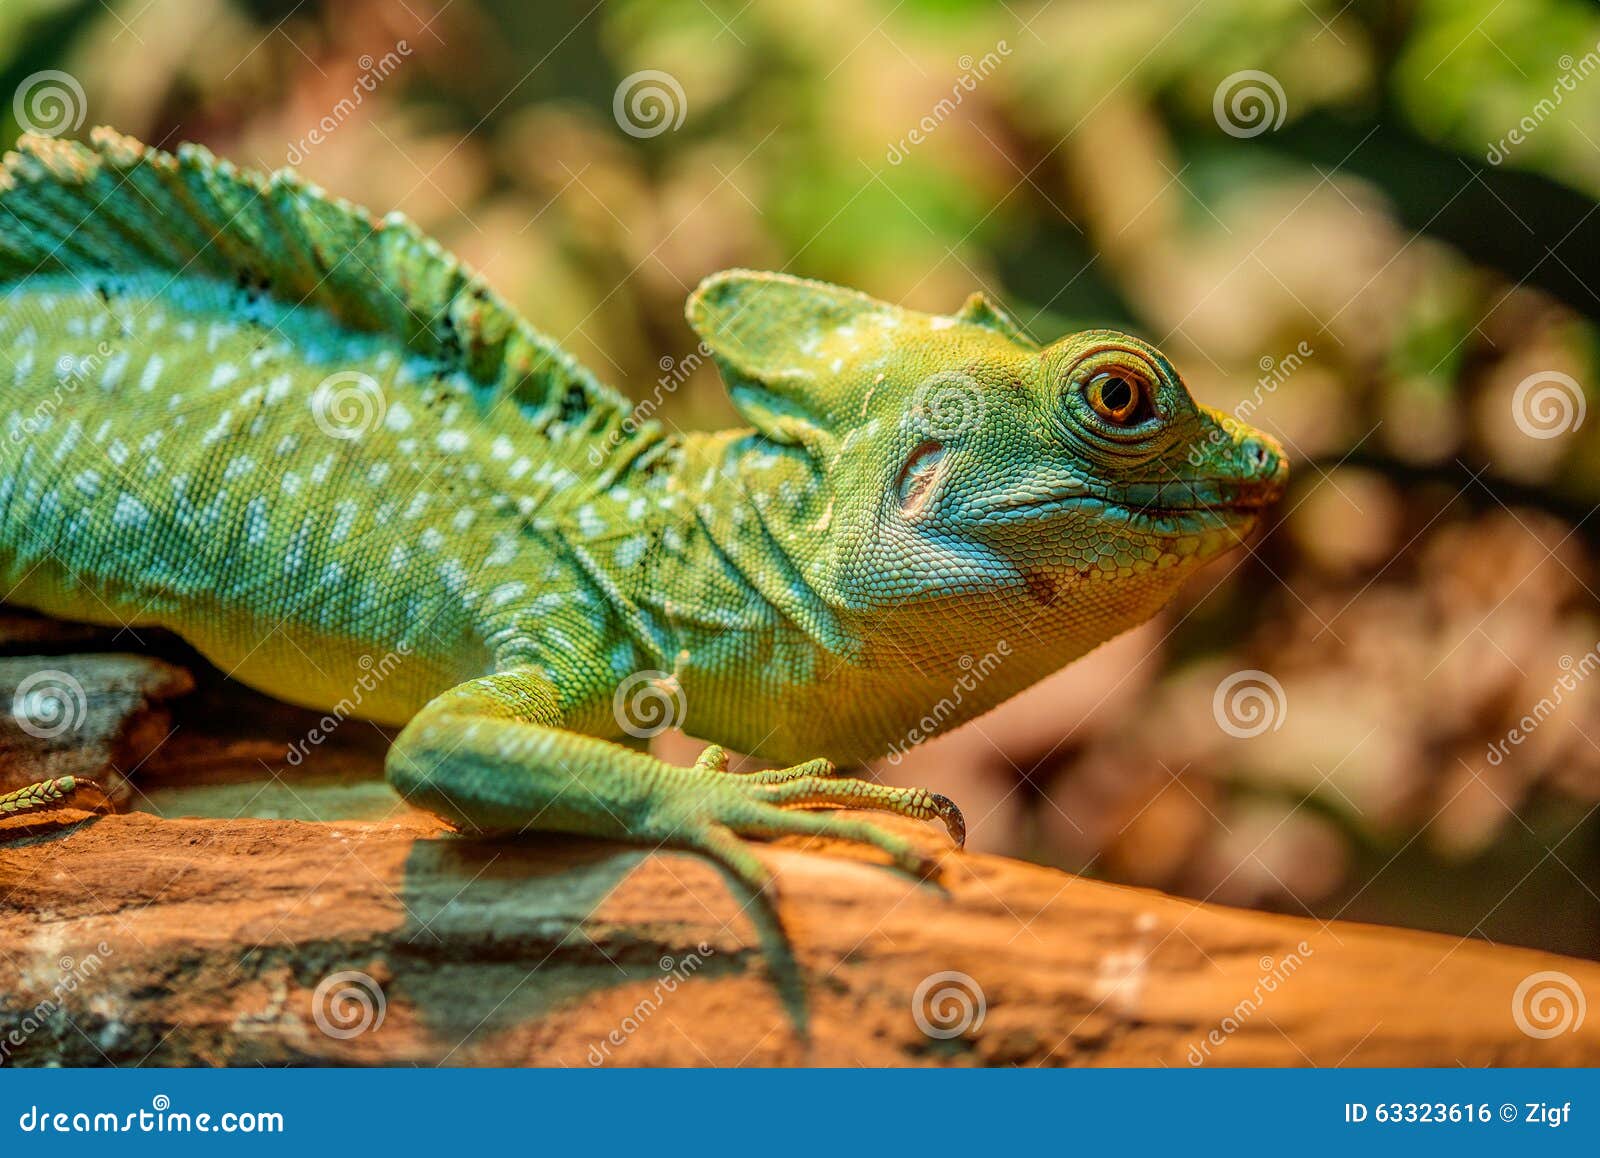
494	755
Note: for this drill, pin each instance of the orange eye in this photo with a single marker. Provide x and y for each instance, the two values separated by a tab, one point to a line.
1121	396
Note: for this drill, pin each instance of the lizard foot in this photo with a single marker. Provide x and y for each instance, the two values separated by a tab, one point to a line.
723	807
715	759
843	792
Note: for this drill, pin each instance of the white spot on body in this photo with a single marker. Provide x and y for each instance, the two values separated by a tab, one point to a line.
130	513
630	551
505	593
220	430
152	373
344	517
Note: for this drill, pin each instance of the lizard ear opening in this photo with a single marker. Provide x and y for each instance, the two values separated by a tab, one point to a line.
919	478
774	338
982	310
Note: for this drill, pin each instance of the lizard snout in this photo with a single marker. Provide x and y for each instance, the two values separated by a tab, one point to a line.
1263	470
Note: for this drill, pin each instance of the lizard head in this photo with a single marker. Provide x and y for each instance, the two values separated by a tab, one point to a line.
961	458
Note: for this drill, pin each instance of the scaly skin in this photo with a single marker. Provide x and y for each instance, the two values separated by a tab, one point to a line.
304	440
45	794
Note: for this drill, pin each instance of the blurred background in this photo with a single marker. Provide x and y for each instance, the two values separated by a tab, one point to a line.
1368	228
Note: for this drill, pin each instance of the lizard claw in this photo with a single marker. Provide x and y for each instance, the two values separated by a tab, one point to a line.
946	810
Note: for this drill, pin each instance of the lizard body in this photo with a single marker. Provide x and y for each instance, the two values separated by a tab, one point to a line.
302	438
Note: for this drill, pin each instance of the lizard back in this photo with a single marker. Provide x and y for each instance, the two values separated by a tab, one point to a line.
240	408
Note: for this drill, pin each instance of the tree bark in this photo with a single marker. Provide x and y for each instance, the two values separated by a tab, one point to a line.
134	939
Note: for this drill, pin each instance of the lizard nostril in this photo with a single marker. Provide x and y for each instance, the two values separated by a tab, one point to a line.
1259	456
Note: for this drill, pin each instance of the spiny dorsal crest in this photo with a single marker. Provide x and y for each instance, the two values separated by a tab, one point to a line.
118	207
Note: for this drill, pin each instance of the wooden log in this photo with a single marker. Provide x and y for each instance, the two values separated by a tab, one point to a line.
133	939
91	716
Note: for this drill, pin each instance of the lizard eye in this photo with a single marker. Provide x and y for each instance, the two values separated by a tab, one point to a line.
1120	395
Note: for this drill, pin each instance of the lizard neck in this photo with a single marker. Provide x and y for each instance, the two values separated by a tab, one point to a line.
700	556
741	546
718	568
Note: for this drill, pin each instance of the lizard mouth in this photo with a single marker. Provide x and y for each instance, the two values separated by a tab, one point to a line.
1222	496
1200	502
1178	496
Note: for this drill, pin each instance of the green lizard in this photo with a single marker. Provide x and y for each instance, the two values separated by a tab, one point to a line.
299	436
